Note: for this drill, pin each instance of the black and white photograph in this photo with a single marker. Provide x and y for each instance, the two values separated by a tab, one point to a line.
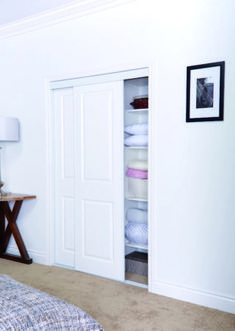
205	88
205	92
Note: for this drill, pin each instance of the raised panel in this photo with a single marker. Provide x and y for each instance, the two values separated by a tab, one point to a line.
67	137
68	224
97	230
96	135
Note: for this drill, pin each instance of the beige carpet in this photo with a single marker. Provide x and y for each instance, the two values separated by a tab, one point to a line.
118	306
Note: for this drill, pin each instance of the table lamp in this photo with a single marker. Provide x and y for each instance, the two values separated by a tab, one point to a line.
9	132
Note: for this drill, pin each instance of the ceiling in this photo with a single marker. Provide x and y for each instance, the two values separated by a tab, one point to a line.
13	10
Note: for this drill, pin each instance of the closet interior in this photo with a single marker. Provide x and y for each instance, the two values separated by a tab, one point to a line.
136	179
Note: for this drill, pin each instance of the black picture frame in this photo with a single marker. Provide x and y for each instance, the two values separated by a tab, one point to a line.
205	92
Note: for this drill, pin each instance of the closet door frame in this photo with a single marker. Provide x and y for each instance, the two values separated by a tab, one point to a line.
64	82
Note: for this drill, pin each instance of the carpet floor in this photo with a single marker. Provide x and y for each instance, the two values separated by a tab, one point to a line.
119	306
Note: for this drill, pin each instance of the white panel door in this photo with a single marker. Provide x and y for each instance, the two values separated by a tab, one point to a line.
100	179
65	160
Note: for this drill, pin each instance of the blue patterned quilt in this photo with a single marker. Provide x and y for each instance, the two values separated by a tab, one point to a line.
25	308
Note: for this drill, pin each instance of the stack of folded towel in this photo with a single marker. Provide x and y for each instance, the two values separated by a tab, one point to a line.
138	169
137	174
138	135
136	230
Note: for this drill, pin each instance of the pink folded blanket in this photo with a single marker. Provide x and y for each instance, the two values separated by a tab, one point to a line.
137	173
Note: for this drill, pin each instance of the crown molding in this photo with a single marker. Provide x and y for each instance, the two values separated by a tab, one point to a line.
60	14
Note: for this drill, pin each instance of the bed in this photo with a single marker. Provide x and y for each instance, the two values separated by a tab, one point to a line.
25	308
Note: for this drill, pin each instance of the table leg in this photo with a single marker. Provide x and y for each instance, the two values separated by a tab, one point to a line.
2	225
12	228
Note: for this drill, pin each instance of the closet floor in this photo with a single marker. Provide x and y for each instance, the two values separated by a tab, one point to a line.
133	277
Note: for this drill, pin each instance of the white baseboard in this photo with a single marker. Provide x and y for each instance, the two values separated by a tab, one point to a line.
37	256
210	300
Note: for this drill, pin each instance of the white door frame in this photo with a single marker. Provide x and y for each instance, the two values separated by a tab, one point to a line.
127	73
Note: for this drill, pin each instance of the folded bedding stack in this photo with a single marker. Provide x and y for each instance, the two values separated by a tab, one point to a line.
138	169
136	230
137	175
138	135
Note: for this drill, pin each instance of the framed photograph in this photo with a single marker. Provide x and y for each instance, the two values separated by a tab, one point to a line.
205	92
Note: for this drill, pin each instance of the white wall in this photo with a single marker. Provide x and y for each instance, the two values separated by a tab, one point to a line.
193	177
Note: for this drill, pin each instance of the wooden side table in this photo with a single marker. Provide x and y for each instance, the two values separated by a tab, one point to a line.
12	228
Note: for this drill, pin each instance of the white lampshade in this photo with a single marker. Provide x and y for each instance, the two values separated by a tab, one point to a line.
9	129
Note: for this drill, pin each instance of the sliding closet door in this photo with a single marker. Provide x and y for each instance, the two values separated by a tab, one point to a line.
99	179
65	176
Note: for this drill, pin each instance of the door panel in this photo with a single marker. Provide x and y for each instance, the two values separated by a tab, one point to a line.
68	224
96	136
89	178
64	177
100	185
97	229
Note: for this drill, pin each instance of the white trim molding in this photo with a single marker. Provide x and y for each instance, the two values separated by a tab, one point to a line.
37	256
57	15
206	299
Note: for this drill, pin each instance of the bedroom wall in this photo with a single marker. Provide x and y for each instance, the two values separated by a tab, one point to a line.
193	178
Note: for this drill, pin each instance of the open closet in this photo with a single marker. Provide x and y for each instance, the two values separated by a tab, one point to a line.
101	184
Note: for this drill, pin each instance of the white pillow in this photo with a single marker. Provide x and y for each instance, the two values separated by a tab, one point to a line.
137	140
137	128
137	233
137	215
138	164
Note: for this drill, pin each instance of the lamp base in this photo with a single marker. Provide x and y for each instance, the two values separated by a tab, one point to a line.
2	193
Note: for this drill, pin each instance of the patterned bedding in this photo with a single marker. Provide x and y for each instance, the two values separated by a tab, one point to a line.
25	308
